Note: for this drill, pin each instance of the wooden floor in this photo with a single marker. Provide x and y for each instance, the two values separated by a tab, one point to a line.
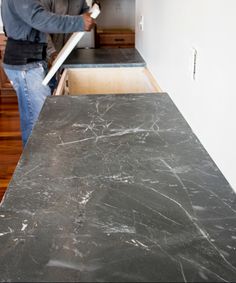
10	139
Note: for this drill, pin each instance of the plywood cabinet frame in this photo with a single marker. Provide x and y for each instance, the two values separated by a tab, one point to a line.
115	80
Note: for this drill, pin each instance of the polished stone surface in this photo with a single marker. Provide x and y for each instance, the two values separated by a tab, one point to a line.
114	57
117	188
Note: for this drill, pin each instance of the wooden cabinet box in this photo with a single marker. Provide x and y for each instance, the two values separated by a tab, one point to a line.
115	39
79	81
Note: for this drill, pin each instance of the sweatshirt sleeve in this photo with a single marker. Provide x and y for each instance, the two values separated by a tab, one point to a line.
35	15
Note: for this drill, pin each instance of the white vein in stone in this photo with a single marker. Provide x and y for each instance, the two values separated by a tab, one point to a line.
203	233
203	267
73	266
6	233
182	271
117	134
214	194
31	170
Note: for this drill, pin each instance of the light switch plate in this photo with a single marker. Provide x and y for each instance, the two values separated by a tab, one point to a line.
141	23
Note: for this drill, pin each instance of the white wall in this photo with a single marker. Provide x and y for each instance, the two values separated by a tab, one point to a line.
171	29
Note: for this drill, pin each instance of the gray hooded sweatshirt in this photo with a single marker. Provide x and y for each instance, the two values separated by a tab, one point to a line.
26	19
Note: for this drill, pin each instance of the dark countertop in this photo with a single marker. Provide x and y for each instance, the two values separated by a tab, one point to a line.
116	188
114	57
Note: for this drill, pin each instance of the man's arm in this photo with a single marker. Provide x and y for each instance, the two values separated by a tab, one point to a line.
35	15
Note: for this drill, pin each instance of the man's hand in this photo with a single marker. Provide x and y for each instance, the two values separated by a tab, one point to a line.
89	22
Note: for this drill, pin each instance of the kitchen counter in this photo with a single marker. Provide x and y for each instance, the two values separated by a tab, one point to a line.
113	57
116	188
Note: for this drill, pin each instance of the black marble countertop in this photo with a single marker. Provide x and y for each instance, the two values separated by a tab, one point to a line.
113	57
116	188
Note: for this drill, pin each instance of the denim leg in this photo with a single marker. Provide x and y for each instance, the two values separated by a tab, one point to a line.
31	94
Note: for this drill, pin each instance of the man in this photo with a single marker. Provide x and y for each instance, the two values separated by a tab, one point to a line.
27	23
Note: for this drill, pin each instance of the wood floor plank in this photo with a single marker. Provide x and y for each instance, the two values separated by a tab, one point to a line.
10	139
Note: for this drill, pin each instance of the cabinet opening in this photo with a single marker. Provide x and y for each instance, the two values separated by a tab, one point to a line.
108	81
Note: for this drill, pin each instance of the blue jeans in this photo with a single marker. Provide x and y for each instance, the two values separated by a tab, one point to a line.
27	82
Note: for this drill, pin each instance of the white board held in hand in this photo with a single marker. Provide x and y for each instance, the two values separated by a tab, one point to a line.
69	46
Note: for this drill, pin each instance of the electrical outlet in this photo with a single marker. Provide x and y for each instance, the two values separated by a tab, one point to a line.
141	23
